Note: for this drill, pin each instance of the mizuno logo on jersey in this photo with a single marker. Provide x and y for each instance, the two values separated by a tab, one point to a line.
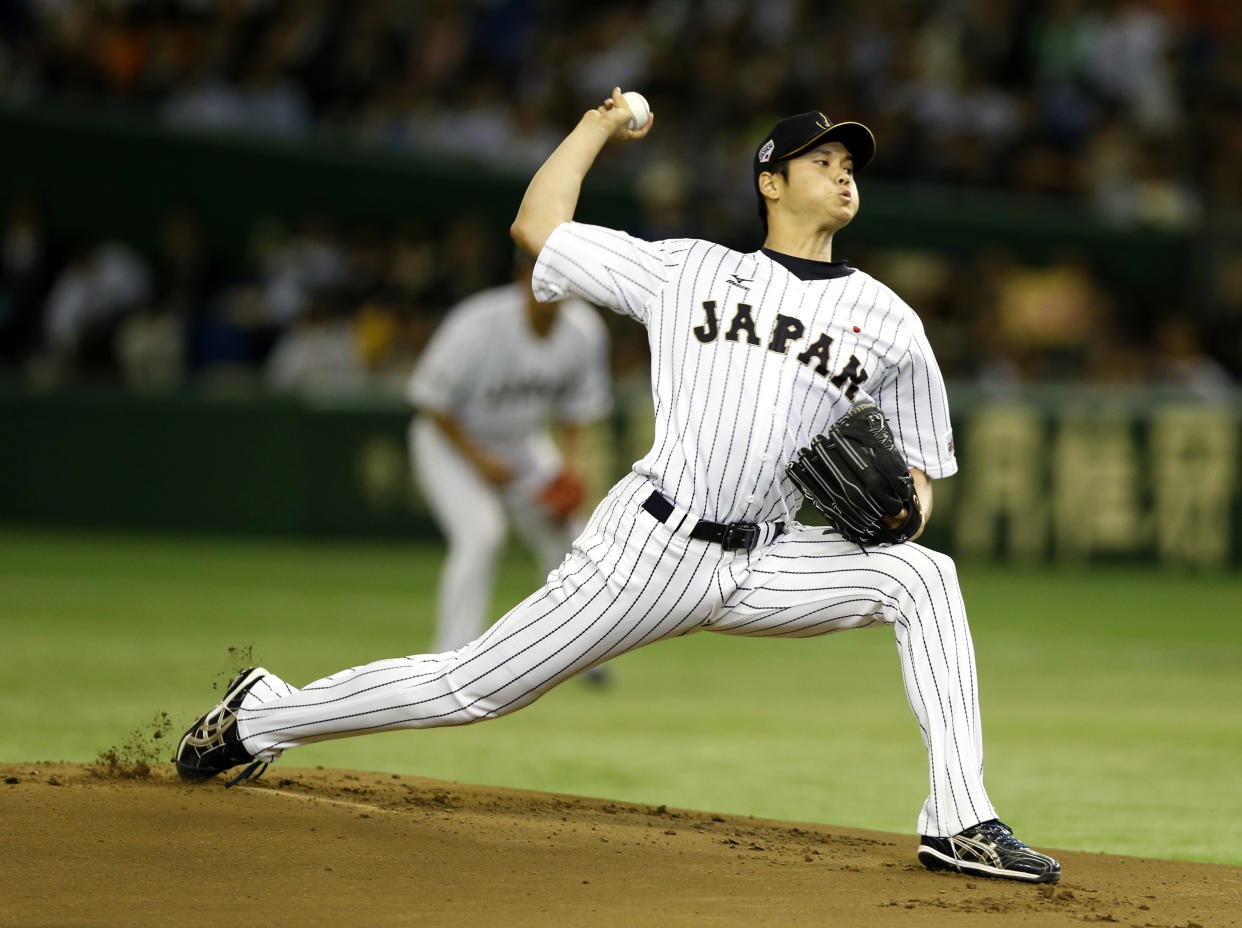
736	280
785	331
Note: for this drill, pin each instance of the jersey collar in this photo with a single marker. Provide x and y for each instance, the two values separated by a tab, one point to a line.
806	269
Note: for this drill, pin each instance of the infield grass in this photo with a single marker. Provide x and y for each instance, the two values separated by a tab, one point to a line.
1112	697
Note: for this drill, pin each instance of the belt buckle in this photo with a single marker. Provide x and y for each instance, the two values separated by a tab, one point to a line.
740	536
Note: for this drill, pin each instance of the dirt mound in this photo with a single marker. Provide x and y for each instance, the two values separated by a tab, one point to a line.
327	847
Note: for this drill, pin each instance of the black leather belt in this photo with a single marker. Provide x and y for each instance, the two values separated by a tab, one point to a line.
732	536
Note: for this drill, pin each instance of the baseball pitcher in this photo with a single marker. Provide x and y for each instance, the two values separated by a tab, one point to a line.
776	374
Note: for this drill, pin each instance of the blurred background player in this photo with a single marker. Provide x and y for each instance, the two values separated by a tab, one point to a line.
498	372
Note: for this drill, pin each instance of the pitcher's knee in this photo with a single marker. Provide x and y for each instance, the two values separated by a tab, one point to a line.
941	564
920	572
481	699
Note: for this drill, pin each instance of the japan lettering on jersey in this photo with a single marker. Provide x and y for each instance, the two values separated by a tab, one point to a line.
749	362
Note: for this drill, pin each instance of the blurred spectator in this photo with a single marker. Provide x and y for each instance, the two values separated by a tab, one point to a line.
151	345
1047	318
1129	106
1129	61
150	351
468	78
1139	181
317	354
1180	361
296	266
207	99
468	261
387	340
272	104
185	271
476	127
98	286
25	267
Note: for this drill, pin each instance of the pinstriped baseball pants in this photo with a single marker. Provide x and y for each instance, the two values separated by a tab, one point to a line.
631	580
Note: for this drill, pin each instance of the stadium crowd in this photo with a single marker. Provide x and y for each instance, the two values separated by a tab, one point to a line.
1131	106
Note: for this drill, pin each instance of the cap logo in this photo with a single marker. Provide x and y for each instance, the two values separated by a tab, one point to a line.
765	153
823	122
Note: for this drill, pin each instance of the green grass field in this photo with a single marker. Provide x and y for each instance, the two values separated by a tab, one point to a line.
1112	698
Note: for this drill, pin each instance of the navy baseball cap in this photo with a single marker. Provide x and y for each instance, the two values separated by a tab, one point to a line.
795	134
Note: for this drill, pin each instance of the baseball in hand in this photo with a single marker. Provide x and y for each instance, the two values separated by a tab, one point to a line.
638	106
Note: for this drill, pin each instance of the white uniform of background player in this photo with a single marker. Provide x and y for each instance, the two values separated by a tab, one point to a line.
496	373
752	355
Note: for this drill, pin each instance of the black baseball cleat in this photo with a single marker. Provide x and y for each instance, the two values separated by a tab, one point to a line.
988	849
212	745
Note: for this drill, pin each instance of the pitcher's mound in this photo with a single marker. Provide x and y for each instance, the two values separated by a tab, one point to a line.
329	847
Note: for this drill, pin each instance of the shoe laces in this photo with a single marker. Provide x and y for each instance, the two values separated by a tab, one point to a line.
999	834
215	733
252	772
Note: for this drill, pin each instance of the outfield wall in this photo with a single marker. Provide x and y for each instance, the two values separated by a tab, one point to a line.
1046	475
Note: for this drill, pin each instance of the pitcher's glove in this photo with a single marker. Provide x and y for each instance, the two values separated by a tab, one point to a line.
856	477
562	496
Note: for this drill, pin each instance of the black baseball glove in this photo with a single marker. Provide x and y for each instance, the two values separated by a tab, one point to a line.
857	478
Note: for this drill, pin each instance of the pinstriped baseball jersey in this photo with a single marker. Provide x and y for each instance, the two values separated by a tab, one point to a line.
750	362
752	355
